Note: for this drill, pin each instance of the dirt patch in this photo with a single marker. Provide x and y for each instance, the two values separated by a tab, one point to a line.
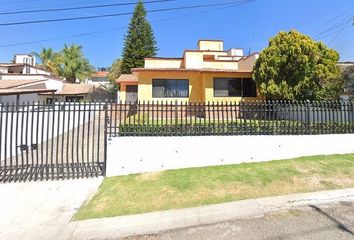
149	176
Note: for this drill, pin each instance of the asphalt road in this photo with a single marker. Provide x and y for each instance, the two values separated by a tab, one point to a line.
335	221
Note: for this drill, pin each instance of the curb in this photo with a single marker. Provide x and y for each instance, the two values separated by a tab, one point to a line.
147	223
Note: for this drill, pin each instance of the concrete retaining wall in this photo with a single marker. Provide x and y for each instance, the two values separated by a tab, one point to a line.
128	155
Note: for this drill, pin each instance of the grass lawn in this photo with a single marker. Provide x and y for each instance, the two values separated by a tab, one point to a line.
143	193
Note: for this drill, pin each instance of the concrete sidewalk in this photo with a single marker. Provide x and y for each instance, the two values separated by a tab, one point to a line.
42	210
116	227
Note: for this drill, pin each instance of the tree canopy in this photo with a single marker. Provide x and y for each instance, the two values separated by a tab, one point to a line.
295	67
139	42
114	72
70	63
50	60
73	64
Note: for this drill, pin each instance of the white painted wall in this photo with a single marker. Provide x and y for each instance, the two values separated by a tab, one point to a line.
128	155
3	69
54	84
26	77
25	58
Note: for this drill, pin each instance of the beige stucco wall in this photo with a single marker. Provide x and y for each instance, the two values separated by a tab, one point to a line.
221	64
122	92
163	63
201	86
193	60
211	45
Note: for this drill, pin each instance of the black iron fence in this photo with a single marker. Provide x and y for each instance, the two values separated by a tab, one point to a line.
40	141
243	118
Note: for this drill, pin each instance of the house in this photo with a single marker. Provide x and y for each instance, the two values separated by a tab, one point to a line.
100	77
208	73
12	91
23	81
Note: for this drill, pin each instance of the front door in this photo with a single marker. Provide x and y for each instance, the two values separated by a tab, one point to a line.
132	93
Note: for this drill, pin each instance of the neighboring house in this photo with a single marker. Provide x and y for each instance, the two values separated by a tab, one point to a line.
102	85
23	64
71	92
12	91
23	81
349	90
100	77
206	74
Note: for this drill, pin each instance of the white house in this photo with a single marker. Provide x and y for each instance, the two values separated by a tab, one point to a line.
23	81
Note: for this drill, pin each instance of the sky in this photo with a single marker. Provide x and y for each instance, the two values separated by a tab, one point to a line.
248	25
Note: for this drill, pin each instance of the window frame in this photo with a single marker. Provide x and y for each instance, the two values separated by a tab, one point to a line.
164	91
228	84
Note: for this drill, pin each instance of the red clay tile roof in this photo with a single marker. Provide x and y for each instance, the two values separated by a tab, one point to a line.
7	84
75	89
100	74
127	78
205	70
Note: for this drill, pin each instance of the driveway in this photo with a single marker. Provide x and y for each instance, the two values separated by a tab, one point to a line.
42	210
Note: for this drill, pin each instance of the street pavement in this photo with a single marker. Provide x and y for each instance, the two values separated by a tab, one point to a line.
325	222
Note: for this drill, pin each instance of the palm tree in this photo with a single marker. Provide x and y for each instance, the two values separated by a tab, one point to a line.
74	65
49	60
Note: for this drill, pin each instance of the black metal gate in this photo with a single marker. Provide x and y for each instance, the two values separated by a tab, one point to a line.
40	141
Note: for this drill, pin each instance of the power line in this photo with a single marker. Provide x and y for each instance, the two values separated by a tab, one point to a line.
61	5
319	17
349	10
115	14
340	31
81	7
115	29
22	1
338	24
63	37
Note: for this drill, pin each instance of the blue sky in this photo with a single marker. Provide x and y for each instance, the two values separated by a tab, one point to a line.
247	26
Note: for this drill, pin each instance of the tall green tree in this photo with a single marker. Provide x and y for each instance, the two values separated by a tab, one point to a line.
139	41
113	75
295	67
114	72
50	60
74	65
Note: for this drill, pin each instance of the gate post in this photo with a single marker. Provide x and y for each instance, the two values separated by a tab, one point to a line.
105	108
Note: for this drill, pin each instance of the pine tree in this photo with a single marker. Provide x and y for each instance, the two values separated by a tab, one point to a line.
139	41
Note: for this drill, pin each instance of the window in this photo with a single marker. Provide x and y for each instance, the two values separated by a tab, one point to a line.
234	87
51	100
100	79
170	88
73	98
249	88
